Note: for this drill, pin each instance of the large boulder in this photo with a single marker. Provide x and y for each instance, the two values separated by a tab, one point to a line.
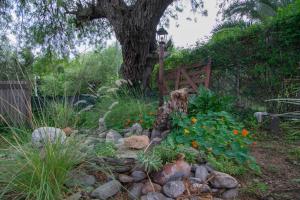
137	142
222	180
107	190
43	135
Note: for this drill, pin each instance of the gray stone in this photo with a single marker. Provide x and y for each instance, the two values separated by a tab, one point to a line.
194	180
75	196
77	178
43	135
201	173
102	125
154	196
201	187
135	191
222	180
147	133
174	189
125	178
138	175
113	136
230	194
136	129
107	190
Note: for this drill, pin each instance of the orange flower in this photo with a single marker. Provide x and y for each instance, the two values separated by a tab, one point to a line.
193	120
235	132
141	121
254	143
195	144
245	132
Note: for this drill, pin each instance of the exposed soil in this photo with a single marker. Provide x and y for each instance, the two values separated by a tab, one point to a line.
280	174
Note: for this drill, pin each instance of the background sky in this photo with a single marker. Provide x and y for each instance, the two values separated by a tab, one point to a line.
189	32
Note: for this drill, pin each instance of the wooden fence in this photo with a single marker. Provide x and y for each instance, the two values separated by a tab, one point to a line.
15	102
190	77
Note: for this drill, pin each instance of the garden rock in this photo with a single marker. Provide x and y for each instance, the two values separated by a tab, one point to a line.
102	125
230	194
197	187
172	171
43	135
222	180
107	190
113	136
174	189
135	191
136	129
148	187
125	178
137	142
201	173
77	178
154	196
75	196
138	175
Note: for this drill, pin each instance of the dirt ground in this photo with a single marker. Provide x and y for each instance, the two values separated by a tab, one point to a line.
280	178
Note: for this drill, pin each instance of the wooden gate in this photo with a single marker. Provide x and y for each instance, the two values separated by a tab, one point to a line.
190	77
15	102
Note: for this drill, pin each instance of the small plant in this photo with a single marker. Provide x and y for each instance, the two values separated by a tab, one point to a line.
256	189
226	165
150	161
294	154
105	149
31	173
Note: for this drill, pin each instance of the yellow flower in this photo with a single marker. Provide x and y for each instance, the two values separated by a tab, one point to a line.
186	131
193	120
245	132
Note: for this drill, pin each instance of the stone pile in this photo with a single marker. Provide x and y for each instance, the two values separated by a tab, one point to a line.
176	180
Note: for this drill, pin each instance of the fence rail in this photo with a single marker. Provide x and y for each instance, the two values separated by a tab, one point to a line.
15	102
188	76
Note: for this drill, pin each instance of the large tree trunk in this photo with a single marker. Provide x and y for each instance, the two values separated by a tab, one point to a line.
139	56
135	28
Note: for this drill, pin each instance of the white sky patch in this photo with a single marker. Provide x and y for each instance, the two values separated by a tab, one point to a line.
189	32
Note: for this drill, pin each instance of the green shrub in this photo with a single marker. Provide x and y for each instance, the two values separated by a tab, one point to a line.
206	100
216	134
80	75
31	173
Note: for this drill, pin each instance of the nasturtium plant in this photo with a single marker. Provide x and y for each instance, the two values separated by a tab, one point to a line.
216	134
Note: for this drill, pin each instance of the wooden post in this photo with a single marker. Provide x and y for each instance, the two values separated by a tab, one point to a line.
161	74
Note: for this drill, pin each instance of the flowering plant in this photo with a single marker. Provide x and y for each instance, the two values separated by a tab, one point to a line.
216	134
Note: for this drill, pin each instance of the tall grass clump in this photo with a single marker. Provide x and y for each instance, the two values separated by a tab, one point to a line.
31	173
57	114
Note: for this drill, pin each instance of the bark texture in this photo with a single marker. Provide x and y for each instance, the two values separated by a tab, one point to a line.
135	28
177	103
